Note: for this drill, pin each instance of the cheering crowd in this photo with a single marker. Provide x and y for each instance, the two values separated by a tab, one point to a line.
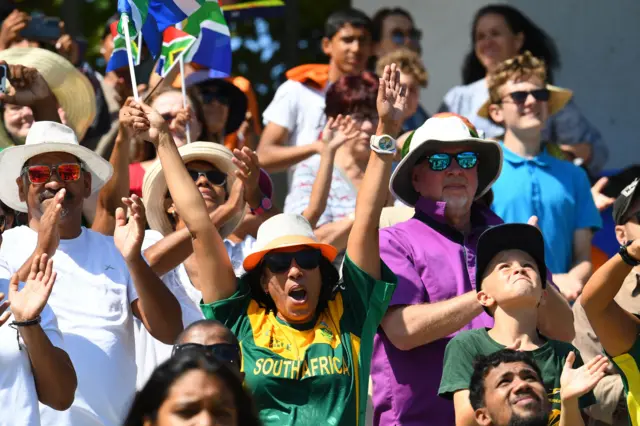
424	269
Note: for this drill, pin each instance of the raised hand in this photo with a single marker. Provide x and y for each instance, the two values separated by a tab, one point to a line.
576	382
28	303
11	27
180	121
339	130
391	101
249	173
149	125
28	87
48	231
602	201
129	234
67	47
4	314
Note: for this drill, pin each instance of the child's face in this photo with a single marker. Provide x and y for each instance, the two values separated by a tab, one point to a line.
349	49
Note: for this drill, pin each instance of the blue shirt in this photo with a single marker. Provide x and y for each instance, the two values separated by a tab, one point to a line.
555	191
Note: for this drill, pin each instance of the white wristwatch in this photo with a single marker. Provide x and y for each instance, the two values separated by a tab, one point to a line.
383	144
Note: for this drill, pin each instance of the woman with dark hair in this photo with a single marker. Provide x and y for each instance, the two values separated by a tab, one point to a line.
193	386
352	119
307	337
498	33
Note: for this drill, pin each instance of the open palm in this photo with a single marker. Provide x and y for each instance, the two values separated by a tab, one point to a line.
576	382
392	97
28	303
129	234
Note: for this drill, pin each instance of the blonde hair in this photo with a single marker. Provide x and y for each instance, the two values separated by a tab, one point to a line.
408	62
519	67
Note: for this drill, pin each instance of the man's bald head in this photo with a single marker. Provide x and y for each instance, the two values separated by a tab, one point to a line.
207	332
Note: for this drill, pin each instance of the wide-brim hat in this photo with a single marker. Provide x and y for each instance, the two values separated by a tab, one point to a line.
45	137
154	185
285	230
445	130
558	98
210	80
510	236
71	88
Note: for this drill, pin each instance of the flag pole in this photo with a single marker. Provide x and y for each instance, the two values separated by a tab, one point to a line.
184	88
139	48
127	40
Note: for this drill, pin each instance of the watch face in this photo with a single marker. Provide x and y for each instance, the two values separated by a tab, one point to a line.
385	143
266	203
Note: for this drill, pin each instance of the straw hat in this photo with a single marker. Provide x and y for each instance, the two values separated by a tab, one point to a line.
558	98
445	129
154	186
72	89
285	230
44	137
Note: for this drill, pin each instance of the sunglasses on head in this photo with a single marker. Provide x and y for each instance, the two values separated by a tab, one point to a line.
67	172
279	261
520	96
216	177
225	352
441	161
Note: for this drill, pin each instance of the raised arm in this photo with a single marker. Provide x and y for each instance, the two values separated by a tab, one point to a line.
29	88
208	247
336	132
574	383
363	246
616	328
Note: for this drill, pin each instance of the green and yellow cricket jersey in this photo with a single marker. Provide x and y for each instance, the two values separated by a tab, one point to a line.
629	365
312	374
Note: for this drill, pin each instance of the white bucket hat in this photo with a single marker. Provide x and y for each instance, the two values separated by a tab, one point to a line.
154	186
44	137
446	129
72	89
285	230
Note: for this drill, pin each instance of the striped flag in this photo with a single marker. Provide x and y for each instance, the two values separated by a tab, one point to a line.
174	44
212	48
137	10
119	55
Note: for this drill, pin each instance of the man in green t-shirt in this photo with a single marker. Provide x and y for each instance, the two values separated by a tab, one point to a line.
510	275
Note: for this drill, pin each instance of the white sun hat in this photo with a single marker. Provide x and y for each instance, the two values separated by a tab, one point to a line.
45	137
154	186
446	130
285	230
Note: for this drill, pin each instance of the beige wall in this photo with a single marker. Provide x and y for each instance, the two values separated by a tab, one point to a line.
599	43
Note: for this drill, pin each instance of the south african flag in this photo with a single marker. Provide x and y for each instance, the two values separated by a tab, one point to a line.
175	43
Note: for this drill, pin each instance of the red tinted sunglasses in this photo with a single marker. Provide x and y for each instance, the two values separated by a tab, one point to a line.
39	174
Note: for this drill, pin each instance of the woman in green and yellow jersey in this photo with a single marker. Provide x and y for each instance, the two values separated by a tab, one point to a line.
306	334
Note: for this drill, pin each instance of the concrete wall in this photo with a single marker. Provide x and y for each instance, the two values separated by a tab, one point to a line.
599	44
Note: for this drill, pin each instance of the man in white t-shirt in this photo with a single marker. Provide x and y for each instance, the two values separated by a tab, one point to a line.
31	348
102	282
295	117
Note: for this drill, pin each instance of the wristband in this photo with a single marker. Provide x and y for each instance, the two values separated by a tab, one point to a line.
265	206
16	324
626	257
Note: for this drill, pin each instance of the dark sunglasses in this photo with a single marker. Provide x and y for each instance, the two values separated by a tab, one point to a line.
216	177
520	96
441	161
279	262
67	172
210	96
225	352
361	117
398	36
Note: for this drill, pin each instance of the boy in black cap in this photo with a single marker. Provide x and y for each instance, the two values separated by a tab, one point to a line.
616	328
510	276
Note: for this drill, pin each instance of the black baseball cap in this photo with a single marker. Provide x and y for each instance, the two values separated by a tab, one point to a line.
510	236
624	202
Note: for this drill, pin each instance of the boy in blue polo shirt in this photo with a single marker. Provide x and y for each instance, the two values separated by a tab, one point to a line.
532	182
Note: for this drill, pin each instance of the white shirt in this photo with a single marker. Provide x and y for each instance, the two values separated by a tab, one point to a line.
18	395
150	352
92	300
